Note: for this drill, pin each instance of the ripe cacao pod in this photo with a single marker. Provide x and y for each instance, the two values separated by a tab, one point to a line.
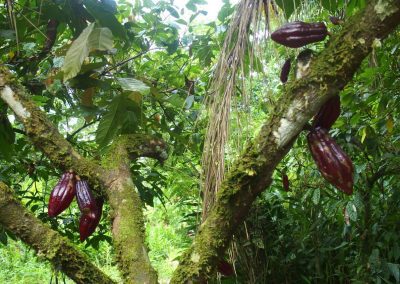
328	113
285	71
333	163
62	194
298	34
285	182
90	208
225	268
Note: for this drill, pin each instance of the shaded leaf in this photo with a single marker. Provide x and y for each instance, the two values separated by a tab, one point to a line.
112	121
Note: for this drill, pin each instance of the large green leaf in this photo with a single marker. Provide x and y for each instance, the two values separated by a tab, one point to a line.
105	18
90	39
77	53
101	39
112	121
130	84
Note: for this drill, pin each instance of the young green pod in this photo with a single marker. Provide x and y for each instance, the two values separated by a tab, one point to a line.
62	194
333	163
298	34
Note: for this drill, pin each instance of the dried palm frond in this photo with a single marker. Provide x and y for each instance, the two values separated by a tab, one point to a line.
241	41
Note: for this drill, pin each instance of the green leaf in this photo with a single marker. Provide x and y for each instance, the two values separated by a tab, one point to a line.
112	121
394	269
105	18
130	84
101	39
173	12
77	53
7	137
288	6
330	5
316	196
352	211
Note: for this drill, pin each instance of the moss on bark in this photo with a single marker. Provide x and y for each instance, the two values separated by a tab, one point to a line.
126	213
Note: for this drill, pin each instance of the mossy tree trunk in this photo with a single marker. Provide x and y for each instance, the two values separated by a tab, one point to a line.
251	174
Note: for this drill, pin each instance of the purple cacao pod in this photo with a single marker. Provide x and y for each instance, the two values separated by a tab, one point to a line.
285	71
328	113
298	34
285	182
62	194
333	163
90	207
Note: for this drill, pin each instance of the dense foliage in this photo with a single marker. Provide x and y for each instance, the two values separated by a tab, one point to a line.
145	67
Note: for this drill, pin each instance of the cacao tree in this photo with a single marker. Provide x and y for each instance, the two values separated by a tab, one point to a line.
109	96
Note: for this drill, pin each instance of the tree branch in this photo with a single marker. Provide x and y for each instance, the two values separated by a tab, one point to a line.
46	242
251	173
45	136
127	215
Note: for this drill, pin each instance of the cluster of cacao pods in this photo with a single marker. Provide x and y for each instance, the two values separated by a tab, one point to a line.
333	163
295	35
69	186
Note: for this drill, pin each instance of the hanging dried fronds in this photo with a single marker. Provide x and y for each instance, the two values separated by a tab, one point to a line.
228	78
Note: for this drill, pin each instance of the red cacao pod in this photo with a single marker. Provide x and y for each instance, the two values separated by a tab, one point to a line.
285	71
62	194
328	113
298	34
225	268
333	163
285	182
90	207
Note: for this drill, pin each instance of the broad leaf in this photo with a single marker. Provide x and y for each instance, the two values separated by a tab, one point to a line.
77	53
112	121
101	39
130	84
105	18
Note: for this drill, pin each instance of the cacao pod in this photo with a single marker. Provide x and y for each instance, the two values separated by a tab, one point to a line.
285	71
333	163
225	268
328	113
285	182
62	194
89	221
335	20
298	34
90	208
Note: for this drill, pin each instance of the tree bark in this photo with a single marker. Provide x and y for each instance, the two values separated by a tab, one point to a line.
252	172
47	242
127	216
